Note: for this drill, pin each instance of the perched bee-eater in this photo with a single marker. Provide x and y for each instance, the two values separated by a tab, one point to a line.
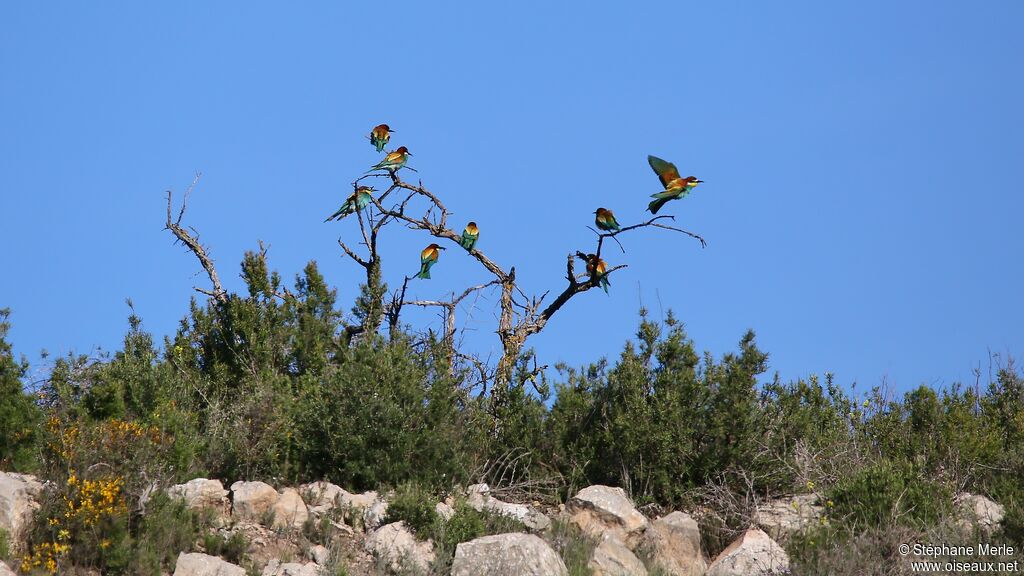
427	259
469	236
357	201
380	135
596	268
675	186
605	220
393	161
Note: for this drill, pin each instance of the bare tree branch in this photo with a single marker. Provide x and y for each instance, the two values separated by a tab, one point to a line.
191	241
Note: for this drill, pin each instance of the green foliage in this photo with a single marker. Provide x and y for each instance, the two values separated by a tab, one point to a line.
414	505
5	544
466	524
232	548
575	547
167	528
19	415
889	493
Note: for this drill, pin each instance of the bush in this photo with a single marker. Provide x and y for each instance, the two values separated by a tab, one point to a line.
415	506
889	493
19	415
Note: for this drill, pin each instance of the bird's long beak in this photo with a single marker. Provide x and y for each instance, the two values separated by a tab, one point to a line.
699	181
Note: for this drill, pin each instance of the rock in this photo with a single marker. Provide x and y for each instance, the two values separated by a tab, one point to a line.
202	494
977	511
754	553
252	500
320	554
600	510
395	545
514	554
6	570
483	489
196	564
18	493
612	558
784	517
322	496
673	544
289	510
276	568
530	518
444	510
374	515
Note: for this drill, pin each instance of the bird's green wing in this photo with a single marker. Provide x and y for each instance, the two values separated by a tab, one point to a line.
669	194
666	171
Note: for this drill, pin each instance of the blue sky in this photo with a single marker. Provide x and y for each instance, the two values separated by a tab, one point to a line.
862	164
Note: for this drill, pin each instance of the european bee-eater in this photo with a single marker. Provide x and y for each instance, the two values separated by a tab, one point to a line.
605	220
357	201
380	135
393	161
427	259
675	186
469	236
596	268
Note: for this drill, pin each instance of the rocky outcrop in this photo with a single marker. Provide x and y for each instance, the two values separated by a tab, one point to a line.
444	510
784	517
18	493
600	510
612	558
289	510
481	500
395	545
276	568
251	501
5	570
514	554
202	494
322	497
673	544
754	553
979	512
202	565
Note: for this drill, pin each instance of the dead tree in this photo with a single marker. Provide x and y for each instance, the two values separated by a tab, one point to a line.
191	241
519	315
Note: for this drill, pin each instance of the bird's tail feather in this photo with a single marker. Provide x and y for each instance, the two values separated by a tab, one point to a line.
656	205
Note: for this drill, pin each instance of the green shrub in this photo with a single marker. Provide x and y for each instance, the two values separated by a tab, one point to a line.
413	505
887	493
19	416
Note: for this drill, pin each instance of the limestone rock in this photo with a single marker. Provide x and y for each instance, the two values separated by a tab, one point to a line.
320	554
444	510
514	554
395	545
481	500
978	511
374	515
252	500
5	570
612	558
18	493
289	510
196	564
673	544
276	568
754	553
322	496
200	494
600	510
784	517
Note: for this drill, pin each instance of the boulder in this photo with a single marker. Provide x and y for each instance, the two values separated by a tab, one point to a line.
18	493
202	494
6	570
754	553
672	543
600	510
322	496
276	568
530	518
196	564
444	510
320	554
977	511
395	545
252	500
612	558
784	517
289	510
514	554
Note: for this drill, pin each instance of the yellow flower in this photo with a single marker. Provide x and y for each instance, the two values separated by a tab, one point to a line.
63	535
104	544
810	485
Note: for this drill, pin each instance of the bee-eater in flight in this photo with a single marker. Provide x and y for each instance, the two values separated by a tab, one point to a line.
597	269
357	201
605	220
427	259
675	186
393	161
469	236
380	135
